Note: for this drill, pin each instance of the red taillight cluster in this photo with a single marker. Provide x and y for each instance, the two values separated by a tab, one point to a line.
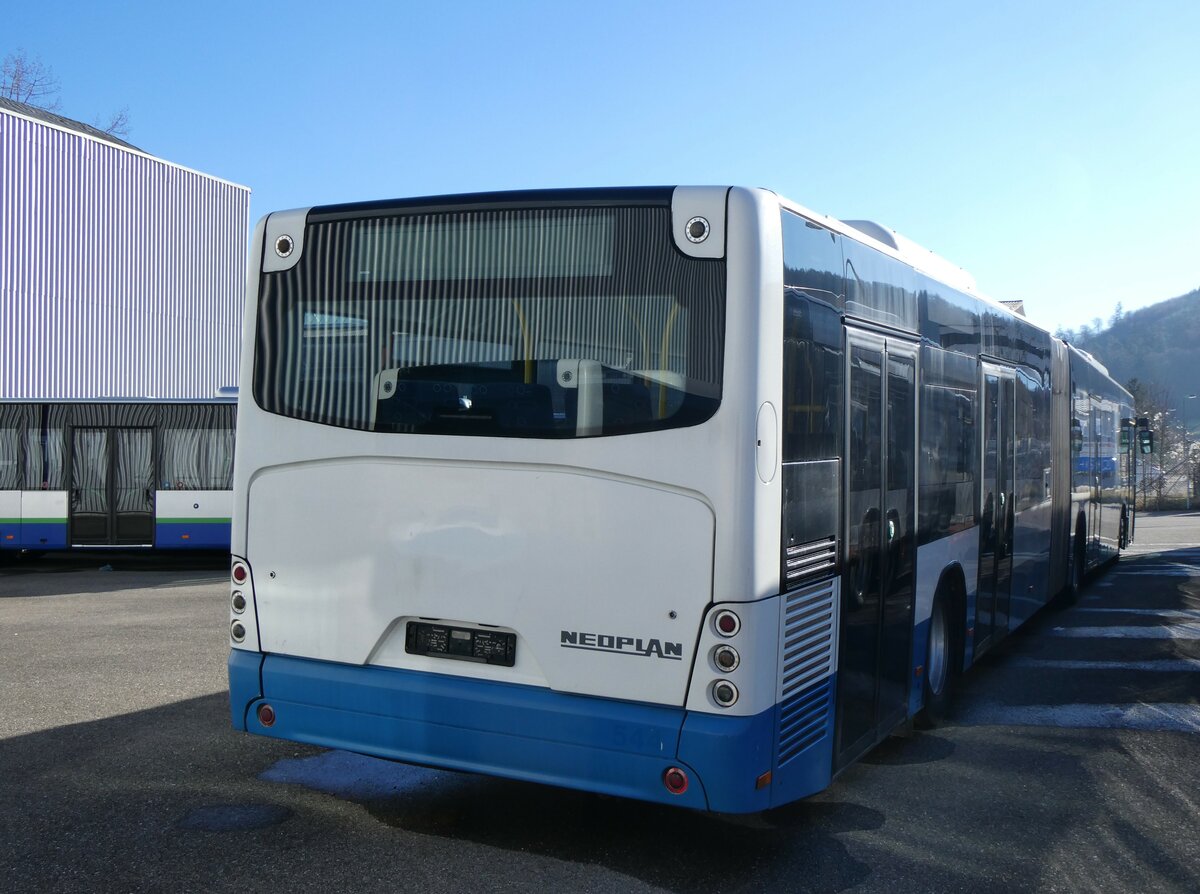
725	658
239	602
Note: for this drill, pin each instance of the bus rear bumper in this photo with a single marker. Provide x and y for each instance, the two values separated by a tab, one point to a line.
519	732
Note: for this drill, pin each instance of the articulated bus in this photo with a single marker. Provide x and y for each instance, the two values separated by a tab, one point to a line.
107	475
685	494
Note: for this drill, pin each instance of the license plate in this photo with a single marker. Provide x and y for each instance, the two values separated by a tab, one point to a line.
461	643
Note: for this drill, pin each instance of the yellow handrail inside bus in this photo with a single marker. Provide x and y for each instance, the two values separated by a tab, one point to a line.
528	340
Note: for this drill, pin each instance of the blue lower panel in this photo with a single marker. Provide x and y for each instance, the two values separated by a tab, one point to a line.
521	732
730	754
920	650
43	535
205	535
245	684
805	746
530	733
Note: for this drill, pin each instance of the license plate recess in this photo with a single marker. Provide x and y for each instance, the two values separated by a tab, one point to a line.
461	643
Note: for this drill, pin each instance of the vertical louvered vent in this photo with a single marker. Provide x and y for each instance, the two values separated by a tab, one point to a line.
809	628
803	720
807	658
810	560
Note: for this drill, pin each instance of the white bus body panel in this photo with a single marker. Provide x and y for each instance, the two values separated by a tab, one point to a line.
10	508
187	504
627	528
367	544
961	549
44	504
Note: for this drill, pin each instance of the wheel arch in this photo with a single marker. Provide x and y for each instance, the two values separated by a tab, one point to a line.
952	586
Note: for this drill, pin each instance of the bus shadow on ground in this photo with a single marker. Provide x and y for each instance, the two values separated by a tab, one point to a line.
72	573
185	787
678	850
193	795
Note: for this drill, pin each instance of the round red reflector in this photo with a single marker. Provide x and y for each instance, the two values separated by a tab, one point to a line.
266	715
728	623
675	780
239	573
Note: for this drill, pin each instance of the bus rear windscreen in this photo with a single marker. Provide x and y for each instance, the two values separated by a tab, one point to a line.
548	323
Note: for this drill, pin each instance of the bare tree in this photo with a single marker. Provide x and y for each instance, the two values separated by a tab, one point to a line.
32	82
118	123
29	81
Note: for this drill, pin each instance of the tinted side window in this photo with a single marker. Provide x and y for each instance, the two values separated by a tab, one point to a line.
879	288
812	346
1033	442
948	443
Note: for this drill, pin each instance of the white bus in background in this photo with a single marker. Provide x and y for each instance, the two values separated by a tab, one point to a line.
115	475
683	494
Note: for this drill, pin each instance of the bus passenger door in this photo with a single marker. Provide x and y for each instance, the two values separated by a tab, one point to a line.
112	487
875	640
996	493
90	496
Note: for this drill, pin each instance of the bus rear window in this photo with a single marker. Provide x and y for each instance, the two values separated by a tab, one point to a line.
544	323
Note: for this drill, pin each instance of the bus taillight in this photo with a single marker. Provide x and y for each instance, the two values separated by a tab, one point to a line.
726	658
675	780
724	693
240	572
727	623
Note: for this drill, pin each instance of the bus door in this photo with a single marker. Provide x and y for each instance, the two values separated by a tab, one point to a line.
996	492
875	640
112	487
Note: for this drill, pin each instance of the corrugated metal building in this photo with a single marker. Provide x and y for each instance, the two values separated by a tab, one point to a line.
122	284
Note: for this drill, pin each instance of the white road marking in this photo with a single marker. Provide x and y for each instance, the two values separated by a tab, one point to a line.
1181	614
1159	717
1170	631
1157	571
1162	550
1160	665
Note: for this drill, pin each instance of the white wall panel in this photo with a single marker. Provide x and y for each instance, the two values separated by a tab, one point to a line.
121	275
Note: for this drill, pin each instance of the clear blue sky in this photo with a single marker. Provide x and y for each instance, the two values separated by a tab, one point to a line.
1051	149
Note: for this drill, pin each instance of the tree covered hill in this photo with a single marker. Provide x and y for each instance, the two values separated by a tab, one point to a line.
1158	345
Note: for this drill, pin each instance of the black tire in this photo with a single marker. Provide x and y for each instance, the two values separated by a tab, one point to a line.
1070	595
940	666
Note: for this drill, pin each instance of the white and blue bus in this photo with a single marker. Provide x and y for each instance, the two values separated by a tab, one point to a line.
682	494
115	475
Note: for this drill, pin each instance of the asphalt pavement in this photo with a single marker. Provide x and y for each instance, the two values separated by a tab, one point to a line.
1071	763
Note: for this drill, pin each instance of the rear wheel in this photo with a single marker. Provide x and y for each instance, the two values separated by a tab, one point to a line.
1078	557
939	666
